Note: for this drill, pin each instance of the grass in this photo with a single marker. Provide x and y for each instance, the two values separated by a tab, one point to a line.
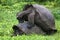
8	19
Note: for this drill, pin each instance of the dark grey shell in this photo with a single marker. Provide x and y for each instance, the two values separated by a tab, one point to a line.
43	18
24	27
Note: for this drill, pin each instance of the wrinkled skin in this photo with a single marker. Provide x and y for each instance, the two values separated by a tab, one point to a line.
24	28
40	16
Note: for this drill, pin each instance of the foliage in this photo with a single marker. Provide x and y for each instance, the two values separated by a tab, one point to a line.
11	2
8	2
56	12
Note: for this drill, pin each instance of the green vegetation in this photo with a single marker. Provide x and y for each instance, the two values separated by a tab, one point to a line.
8	13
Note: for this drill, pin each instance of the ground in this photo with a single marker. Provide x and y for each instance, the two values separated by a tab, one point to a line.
8	19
